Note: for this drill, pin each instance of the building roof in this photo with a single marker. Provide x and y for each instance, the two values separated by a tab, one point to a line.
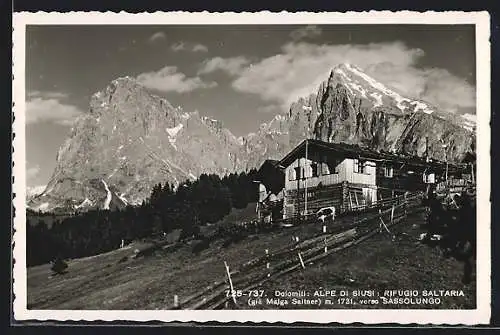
274	163
356	151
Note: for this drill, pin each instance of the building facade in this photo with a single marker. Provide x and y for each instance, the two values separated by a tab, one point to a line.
320	174
328	181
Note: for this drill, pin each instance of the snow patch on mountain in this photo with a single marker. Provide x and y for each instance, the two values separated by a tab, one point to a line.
369	79
35	190
378	99
470	117
108	195
122	198
113	172
399	102
84	203
358	88
172	142
172	132
469	121
379	86
422	107
42	207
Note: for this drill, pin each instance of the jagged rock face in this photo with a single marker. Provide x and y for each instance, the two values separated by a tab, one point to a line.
354	108
131	140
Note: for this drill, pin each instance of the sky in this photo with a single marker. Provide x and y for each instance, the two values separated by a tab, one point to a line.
241	75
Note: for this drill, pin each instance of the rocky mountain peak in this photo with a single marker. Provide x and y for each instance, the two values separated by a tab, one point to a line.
131	139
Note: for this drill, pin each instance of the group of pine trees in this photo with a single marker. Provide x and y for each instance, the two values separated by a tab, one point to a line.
187	207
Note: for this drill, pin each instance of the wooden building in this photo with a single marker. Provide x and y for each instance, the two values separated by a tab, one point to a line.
350	177
271	180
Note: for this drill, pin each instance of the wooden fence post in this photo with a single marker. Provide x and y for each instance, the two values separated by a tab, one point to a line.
405	204
268	265
230	282
176	301
380	216
392	214
345	197
301	261
382	224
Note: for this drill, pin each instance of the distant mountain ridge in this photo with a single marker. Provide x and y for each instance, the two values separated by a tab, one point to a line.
131	139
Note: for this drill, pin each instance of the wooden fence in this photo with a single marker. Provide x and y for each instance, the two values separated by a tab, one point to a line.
380	204
253	273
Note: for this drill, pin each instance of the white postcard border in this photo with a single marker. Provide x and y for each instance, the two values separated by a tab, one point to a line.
480	315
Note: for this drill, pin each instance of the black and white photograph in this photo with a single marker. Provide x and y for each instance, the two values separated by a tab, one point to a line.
219	167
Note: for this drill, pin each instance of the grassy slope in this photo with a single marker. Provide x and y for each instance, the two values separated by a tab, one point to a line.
101	282
236	215
382	264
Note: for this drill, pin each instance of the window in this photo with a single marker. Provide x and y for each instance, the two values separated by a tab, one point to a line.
323	167
330	167
315	169
429	178
291	174
336	168
388	172
359	166
307	171
297	172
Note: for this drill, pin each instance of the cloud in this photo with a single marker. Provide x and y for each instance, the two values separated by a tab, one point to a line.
199	48
437	86
300	68
32	172
159	35
273	108
187	46
47	95
232	66
179	46
310	31
47	107
168	79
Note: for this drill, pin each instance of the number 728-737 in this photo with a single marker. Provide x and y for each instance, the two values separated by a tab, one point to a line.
240	293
